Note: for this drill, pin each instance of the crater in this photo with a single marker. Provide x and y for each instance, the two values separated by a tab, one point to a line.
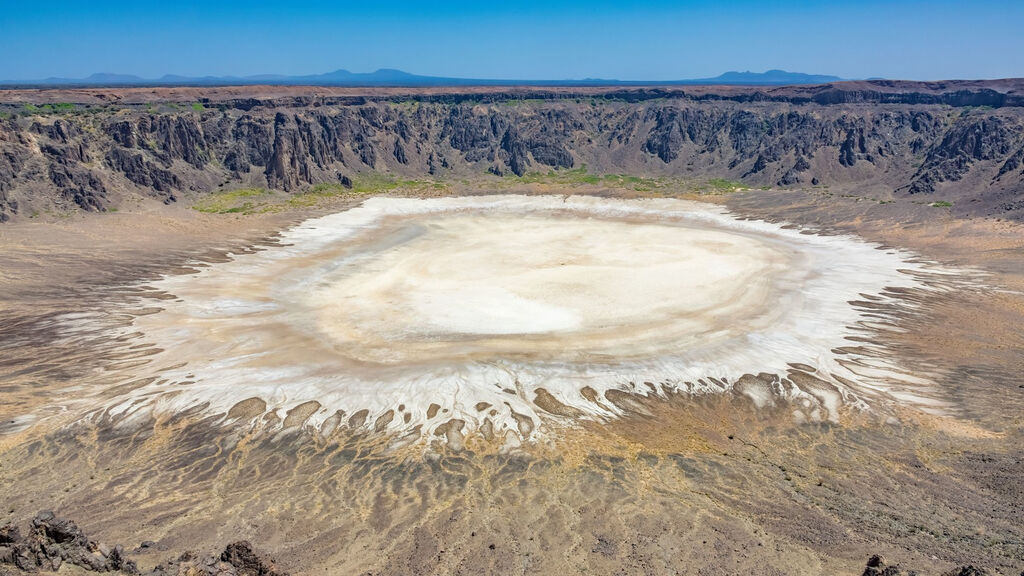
544	309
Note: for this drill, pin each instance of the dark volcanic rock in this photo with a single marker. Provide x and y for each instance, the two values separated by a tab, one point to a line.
966	571
289	161
867	135
179	137
247	562
80	186
159	182
399	153
793	175
61	130
123	132
876	566
759	164
238	559
51	542
515	151
966	143
666	139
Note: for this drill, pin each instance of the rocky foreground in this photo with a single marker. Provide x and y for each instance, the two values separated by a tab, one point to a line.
52	542
960	143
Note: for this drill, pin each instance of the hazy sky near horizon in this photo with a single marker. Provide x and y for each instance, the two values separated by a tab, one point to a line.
526	39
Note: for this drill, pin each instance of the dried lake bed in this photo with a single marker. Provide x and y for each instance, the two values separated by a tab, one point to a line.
400	385
482	315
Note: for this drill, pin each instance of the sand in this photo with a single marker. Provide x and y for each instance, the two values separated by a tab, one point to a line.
698	472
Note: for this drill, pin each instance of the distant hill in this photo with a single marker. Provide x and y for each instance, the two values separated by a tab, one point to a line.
392	77
95	79
773	77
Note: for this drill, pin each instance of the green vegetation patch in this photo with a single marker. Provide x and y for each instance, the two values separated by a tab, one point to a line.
54	108
522	101
722	186
652	185
560	176
638	183
364	185
241	201
407	105
261	200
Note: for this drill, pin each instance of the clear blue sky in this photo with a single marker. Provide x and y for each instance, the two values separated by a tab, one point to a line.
526	39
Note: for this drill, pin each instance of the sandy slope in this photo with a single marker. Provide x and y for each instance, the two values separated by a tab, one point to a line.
675	484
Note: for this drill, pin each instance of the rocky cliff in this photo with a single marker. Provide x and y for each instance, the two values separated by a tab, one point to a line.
957	142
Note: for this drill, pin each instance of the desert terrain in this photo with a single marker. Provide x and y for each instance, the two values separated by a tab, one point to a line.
700	331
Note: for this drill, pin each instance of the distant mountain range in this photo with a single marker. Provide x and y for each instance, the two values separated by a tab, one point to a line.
391	77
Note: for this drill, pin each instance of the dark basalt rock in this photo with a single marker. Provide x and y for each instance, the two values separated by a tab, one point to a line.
666	139
852	144
248	562
792	176
237	559
966	571
902	142
759	165
789	178
122	132
1011	164
51	542
158	181
79	186
966	143
876	566
289	162
550	153
399	153
61	130
515	151
65	155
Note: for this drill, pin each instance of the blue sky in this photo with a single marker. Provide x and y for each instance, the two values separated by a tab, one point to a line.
526	39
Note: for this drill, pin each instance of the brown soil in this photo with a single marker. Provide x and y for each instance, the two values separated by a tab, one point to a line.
683	485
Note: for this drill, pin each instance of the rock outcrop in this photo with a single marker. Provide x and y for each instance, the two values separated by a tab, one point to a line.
931	143
876	566
52	542
238	559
